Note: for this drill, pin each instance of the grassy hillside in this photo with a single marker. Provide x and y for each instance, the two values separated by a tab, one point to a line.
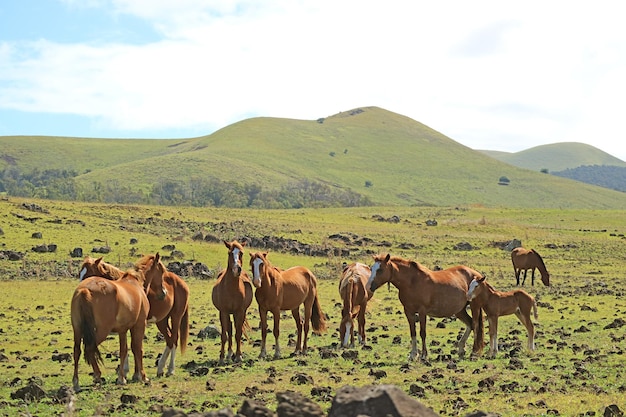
387	157
557	157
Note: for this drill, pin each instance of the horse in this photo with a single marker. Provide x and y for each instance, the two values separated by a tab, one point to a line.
232	295
441	293
279	290
496	303
169	308
525	259
101	306
354	294
96	267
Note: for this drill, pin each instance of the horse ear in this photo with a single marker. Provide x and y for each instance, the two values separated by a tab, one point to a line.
226	244
157	257
244	243
387	258
97	261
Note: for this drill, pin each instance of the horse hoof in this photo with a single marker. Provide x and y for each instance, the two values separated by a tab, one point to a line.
159	374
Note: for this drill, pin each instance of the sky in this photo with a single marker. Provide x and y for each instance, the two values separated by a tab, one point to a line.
497	75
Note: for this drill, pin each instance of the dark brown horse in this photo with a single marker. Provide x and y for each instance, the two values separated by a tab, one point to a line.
496	303
101	306
169	307
354	294
429	293
525	259
278	290
232	295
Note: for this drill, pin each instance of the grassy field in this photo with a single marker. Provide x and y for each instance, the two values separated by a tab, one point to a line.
577	368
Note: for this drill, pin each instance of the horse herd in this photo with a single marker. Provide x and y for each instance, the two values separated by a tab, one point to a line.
110	300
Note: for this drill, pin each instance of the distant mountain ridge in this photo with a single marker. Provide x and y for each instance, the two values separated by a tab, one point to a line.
557	157
362	156
573	160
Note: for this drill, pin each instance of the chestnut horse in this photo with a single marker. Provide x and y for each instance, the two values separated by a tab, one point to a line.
424	292
93	267
169	307
496	303
168	295
278	290
354	294
101	306
525	259
232	295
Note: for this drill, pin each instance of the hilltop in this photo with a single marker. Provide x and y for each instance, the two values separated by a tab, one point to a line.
366	156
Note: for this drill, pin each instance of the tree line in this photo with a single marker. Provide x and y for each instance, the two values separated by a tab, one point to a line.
61	184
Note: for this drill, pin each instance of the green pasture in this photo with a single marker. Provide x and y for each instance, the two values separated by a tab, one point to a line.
577	368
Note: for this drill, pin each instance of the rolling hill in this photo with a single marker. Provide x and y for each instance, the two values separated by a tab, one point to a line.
385	157
557	157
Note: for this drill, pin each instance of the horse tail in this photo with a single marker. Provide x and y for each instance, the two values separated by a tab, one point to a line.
87	324
184	330
318	318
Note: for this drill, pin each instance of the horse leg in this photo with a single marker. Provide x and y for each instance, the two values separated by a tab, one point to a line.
77	342
493	336
301	340
176	319
410	316
276	332
239	319
263	318
361	321
121	377
524	318
533	277
467	320
477	327
136	344
524	280
163	328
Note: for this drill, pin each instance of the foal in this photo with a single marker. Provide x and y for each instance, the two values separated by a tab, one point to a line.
496	303
354	294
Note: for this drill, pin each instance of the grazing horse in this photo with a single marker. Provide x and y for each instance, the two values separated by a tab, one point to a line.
169	307
101	306
525	259
424	292
496	303
232	295
354	294
278	290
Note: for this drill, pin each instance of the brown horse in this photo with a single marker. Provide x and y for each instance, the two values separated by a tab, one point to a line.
525	259
496	303
101	306
278	290
429	293
232	295
93	267
169	307
354	294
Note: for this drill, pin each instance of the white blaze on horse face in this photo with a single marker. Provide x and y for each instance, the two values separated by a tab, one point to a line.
236	267
375	269
256	272
82	273
471	293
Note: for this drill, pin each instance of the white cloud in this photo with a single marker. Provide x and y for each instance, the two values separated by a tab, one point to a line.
489	74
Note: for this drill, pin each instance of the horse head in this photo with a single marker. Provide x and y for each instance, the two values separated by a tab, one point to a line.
474	288
89	268
235	256
380	272
154	270
258	261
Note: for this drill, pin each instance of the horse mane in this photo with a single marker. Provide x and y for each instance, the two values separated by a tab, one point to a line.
111	269
543	265
145	259
134	273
